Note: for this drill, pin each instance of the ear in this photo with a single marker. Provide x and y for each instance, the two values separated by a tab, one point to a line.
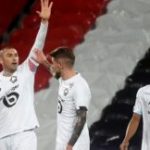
61	63
1	62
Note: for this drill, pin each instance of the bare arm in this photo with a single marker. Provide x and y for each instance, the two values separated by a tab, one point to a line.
131	130
81	119
42	59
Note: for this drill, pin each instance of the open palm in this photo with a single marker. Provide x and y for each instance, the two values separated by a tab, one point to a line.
45	12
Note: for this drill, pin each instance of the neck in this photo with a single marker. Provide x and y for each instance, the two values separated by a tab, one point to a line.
68	73
7	73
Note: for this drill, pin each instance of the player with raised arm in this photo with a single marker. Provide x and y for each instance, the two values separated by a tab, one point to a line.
73	100
17	114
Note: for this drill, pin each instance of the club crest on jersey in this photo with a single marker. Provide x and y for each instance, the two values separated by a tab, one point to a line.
66	91
13	79
71	85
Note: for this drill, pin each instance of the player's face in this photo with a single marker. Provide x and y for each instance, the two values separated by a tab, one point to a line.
56	68
10	59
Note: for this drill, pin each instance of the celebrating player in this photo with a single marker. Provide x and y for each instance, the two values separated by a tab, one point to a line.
17	114
73	100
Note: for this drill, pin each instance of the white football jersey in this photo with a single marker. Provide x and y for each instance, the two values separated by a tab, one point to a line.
73	93
142	107
17	111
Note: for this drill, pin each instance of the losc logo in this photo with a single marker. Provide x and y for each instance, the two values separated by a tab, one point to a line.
13	79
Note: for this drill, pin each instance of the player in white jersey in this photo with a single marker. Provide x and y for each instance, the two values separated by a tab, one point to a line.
17	114
73	100
141	109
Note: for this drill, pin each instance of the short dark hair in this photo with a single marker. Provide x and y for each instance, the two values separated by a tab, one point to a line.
64	52
7	46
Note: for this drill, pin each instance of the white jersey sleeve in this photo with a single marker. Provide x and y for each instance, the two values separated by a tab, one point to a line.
38	45
138	103
82	94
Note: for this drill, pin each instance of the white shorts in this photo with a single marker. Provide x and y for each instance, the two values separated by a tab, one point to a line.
21	141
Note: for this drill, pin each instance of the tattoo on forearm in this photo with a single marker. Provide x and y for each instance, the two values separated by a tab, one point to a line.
81	119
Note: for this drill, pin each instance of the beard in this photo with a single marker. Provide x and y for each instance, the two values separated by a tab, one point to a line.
57	75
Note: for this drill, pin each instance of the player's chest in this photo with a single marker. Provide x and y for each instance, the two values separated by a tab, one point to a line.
10	84
65	98
66	91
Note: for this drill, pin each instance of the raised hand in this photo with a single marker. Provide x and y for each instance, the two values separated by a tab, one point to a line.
45	12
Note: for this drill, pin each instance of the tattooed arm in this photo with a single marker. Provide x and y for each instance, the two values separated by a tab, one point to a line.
81	119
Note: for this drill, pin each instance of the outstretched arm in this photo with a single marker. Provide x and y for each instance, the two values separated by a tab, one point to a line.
131	130
44	14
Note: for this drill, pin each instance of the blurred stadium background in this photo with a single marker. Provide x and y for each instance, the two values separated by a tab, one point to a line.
111	40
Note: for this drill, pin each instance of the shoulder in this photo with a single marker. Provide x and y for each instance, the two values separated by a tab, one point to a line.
144	90
80	81
27	66
81	85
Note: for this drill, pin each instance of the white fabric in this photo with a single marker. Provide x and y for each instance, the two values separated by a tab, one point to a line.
21	141
142	107
39	41
72	94
17	111
138	103
107	56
